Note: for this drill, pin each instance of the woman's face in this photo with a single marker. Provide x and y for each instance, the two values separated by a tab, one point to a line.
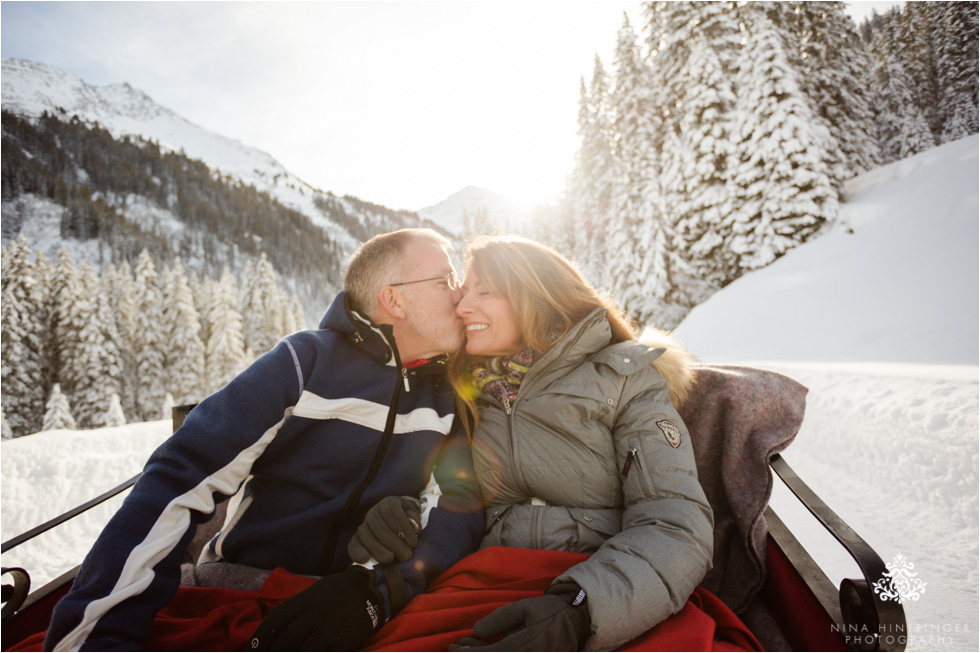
491	326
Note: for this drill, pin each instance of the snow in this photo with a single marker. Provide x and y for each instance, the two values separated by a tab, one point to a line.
881	324
48	473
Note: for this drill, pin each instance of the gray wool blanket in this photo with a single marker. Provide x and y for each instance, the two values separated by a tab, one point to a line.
739	417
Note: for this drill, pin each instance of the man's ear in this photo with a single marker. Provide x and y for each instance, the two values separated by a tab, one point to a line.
392	303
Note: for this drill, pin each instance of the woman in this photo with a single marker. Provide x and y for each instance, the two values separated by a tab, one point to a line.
577	447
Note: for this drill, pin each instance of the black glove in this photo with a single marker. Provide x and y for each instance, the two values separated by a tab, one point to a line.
557	621
337	613
389	531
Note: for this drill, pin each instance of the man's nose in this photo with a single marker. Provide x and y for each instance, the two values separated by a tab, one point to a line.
462	306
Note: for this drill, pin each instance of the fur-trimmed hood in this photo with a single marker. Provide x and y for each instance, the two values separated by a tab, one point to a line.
675	364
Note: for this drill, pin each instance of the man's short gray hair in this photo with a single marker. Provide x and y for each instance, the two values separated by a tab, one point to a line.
375	264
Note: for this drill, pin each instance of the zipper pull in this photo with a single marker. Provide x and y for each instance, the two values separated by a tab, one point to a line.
408	388
630	457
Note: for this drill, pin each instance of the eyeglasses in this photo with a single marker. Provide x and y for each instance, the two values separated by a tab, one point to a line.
451	279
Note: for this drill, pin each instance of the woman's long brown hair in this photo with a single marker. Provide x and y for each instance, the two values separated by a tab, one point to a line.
548	294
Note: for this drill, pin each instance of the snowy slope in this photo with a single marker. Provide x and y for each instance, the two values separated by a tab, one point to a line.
490	212
30	88
901	287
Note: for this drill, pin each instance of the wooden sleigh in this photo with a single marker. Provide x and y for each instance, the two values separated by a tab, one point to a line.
740	419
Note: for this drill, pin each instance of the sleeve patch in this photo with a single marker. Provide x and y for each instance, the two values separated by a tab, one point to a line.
671	432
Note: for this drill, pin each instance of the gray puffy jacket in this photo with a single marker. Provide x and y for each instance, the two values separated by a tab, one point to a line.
593	457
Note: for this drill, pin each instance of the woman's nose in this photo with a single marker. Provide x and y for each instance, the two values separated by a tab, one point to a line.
462	305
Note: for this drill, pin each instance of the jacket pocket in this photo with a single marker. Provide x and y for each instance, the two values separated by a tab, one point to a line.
633	470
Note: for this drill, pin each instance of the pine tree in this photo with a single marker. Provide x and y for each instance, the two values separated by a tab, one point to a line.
148	338
957	69
94	367
167	407
22	356
44	273
834	73
64	326
184	351
915	49
114	415
122	303
225	354
785	191
7	433
57	413
262	303
901	128
594	176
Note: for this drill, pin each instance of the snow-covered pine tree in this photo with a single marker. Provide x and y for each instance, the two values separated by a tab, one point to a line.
594	177
641	252
114	415
44	273
93	368
121	291
915	49
298	315
694	69
901	128
57	412
184	351
785	191
201	289
64	326
957	68
834	74
7	433
167	407
21	329
225	354
147	339
631	109
261	306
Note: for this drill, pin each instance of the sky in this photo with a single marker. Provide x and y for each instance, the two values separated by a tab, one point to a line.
397	103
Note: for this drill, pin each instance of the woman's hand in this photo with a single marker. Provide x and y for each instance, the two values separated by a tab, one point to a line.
557	621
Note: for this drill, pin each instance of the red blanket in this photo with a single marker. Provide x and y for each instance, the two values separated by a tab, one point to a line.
204	619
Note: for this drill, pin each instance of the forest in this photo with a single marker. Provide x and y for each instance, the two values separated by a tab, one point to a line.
722	134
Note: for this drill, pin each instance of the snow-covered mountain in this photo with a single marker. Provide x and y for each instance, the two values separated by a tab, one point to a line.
475	210
138	182
31	88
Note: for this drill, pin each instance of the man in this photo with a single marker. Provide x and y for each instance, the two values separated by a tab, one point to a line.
307	439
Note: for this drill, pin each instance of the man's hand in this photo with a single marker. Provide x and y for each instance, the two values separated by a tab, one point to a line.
389	532
337	613
557	621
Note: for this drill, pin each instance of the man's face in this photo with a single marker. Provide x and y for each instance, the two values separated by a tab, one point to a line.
431	326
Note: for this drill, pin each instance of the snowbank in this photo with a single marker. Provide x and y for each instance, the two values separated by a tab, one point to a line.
48	473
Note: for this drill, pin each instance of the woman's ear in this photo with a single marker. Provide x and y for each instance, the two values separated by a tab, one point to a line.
392	303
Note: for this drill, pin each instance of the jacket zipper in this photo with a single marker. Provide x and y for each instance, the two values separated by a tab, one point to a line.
630	458
333	535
